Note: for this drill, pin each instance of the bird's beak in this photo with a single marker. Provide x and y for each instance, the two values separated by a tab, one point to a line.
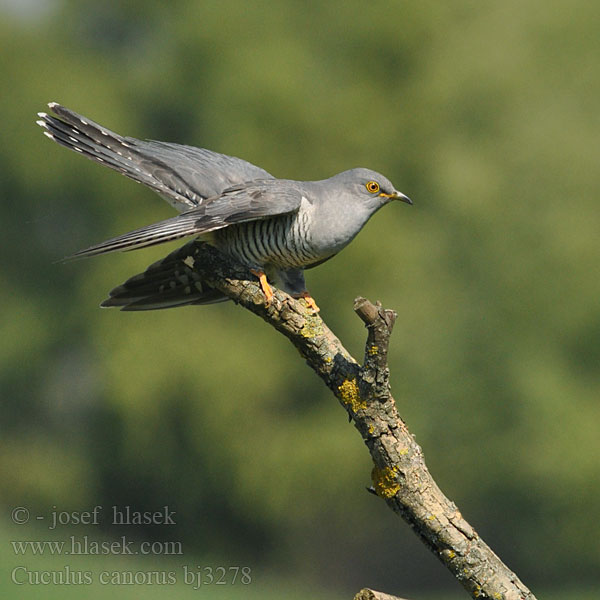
397	196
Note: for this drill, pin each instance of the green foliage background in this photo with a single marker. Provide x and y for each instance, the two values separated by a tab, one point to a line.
485	113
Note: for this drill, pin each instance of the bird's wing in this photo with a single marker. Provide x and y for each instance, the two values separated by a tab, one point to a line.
185	176
168	283
246	202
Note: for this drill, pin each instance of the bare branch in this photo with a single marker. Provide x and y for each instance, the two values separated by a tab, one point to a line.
399	475
368	594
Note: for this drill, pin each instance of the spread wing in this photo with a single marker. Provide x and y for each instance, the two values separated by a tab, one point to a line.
183	175
245	202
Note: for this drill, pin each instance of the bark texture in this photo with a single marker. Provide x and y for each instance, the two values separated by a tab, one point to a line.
400	476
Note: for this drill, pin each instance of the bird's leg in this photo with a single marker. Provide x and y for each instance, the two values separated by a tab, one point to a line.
264	284
292	281
309	300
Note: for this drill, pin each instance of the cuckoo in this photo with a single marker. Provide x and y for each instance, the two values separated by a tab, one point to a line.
275	227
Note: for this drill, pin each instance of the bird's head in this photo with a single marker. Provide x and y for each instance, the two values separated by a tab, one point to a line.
371	187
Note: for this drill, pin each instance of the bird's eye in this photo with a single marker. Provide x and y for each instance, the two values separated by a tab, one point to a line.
372	186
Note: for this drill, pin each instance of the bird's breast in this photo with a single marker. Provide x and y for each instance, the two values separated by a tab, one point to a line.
283	242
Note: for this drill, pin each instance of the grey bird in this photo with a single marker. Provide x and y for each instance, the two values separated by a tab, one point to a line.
276	227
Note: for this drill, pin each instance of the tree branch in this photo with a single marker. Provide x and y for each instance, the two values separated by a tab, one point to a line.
368	594
399	474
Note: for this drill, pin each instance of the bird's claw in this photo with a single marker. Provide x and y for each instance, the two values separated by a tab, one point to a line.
309	300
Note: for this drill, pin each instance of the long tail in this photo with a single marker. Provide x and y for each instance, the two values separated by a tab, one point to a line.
124	154
168	283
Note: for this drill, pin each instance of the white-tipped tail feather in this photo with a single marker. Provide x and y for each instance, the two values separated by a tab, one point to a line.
126	155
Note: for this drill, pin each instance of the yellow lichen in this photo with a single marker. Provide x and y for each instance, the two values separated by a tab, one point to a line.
373	350
350	395
385	481
403	451
371	429
313	327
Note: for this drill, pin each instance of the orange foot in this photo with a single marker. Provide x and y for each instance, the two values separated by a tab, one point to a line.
264	284
309	300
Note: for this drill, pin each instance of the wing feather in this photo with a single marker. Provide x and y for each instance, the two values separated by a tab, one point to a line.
249	202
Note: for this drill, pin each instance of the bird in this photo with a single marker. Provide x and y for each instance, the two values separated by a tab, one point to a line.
275	227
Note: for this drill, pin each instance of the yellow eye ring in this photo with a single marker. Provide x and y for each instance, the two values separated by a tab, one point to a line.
372	186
